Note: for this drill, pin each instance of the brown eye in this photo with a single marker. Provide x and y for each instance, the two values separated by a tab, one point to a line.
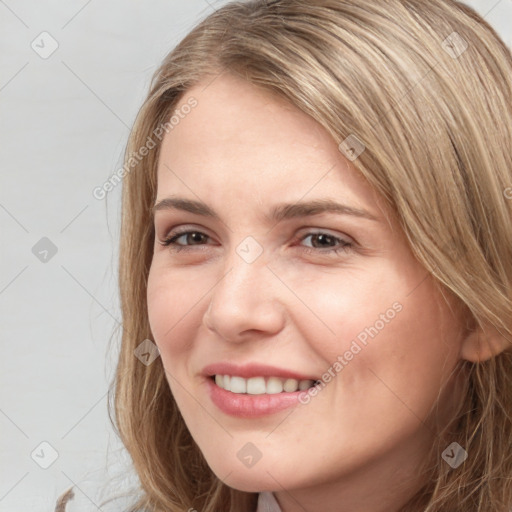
190	237
322	242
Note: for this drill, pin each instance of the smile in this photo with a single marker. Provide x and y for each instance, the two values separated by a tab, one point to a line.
261	385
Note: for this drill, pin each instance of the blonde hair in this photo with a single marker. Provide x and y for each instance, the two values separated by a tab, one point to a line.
427	87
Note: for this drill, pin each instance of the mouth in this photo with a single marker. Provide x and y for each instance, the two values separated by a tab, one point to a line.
255	390
261	385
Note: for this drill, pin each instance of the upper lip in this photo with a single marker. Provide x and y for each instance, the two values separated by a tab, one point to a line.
252	370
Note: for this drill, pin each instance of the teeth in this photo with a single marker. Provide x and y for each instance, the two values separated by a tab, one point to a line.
260	385
255	386
238	385
304	384
274	385
291	385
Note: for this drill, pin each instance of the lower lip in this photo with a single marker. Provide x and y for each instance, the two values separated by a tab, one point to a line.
250	406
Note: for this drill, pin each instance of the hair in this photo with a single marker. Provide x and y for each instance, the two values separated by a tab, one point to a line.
427	87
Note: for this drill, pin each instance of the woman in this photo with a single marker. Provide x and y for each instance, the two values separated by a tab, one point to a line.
316	263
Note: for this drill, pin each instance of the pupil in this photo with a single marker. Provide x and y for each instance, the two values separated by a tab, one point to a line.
321	238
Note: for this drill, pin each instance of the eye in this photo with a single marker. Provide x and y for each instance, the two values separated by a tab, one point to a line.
194	237
327	243
321	242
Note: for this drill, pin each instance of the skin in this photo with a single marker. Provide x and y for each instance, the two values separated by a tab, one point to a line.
361	440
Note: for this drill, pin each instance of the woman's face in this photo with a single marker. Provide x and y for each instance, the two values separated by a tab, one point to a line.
271	289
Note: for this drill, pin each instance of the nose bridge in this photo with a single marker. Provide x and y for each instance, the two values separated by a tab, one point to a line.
245	271
244	282
245	297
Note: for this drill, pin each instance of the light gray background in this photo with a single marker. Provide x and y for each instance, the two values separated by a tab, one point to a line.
64	121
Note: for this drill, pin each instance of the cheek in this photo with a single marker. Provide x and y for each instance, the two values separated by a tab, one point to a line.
411	358
170	308
378	330
340	308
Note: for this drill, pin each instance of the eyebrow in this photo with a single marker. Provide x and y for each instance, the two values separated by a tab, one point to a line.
283	211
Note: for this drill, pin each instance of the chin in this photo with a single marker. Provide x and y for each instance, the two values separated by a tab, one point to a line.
247	481
261	477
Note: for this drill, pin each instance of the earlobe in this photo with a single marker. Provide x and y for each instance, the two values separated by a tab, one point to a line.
484	343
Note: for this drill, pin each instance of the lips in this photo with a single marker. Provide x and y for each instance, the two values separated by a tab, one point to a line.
248	405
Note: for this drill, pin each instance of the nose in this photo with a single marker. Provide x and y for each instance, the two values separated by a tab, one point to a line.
245	302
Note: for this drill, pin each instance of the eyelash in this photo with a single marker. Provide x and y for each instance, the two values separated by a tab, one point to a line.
170	242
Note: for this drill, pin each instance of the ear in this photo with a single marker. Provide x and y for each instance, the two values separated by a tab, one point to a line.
484	343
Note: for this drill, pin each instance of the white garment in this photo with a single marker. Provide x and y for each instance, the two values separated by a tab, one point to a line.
80	502
267	503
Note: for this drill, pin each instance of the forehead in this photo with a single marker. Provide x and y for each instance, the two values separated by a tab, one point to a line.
232	112
246	143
